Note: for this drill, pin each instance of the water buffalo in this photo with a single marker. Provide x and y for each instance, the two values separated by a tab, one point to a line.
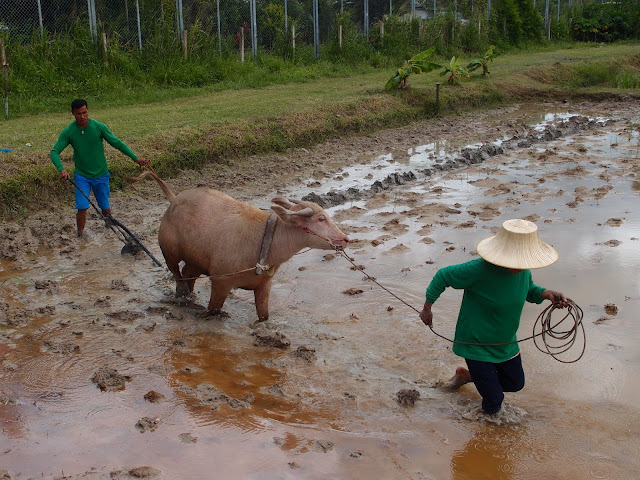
223	238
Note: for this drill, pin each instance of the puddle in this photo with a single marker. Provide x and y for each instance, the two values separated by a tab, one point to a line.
326	406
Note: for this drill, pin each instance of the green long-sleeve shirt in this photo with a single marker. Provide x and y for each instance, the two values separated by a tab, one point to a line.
491	306
88	148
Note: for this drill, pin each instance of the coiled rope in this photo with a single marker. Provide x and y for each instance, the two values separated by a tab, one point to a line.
552	339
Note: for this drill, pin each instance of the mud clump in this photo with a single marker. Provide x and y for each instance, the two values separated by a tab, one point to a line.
353	291
602	320
611	309
187	438
323	446
153	396
147	424
614	222
64	348
610	243
49	285
306	353
210	396
144	472
120	285
407	396
13	317
125	315
16	242
335	198
271	339
108	379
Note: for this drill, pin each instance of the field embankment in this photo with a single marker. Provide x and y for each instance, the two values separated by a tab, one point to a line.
224	127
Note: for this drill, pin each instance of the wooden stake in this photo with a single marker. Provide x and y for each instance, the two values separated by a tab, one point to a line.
340	36
104	45
184	43
381	32
242	44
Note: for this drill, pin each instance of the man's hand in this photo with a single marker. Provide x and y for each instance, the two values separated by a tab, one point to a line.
142	162
426	316
64	174
556	298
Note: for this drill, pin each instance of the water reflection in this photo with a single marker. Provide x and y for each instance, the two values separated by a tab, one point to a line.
488	455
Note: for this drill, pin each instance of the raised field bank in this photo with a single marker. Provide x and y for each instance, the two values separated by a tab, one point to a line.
105	374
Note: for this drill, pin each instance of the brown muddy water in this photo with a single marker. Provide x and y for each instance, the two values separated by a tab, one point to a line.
188	398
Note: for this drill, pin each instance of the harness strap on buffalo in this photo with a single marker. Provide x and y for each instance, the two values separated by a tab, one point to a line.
267	237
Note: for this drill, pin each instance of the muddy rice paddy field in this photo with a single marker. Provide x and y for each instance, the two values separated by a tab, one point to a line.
104	375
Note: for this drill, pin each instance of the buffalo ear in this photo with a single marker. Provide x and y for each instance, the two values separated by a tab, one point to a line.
282	212
283	202
299	219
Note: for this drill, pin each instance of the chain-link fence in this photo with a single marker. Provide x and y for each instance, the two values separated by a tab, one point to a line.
228	25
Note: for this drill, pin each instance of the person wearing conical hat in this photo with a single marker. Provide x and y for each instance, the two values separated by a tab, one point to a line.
496	286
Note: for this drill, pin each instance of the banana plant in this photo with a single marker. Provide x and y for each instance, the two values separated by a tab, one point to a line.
417	64
483	62
454	71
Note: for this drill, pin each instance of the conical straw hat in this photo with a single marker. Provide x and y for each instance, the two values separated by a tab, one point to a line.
517	245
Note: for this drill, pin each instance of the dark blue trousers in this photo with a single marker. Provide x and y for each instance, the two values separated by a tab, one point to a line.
493	379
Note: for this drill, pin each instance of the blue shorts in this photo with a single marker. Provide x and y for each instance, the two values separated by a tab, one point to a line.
100	187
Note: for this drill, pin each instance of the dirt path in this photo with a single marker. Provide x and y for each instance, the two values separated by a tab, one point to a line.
104	375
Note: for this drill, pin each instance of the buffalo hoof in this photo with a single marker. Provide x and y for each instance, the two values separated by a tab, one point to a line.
215	313
182	289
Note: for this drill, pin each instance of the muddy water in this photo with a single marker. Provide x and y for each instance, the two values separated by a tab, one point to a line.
326	407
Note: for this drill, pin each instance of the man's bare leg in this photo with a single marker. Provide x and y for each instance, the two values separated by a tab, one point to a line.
81	221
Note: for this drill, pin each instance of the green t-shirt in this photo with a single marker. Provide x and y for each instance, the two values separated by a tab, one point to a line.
491	306
88	148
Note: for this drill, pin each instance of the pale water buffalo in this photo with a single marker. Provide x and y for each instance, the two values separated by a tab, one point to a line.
220	237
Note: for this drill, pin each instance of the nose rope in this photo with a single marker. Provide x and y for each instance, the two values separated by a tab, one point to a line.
540	338
338	248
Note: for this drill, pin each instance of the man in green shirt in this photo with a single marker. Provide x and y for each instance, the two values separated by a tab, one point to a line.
86	137
495	289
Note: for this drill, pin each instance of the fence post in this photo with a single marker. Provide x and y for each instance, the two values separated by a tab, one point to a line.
366	18
219	31
293	38
179	18
254	29
5	71
438	97
40	18
316	28
139	31
241	44
381	33
340	36
547	20
184	43
91	8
